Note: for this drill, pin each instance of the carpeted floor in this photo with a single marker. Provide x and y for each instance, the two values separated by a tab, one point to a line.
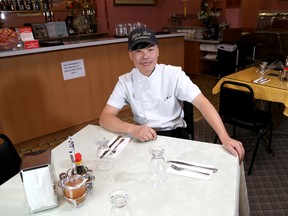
267	185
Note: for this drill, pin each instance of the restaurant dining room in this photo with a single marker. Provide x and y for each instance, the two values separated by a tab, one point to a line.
63	61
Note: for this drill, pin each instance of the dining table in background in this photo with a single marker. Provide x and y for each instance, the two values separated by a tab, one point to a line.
224	194
274	90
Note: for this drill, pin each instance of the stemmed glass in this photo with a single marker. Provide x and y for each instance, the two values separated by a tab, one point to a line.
119	200
158	164
105	156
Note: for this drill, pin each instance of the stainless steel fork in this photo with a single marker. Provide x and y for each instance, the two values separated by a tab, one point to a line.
185	169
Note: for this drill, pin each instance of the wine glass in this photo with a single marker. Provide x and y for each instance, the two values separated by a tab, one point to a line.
119	200
105	156
158	164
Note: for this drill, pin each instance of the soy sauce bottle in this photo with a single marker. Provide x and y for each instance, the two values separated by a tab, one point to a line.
80	168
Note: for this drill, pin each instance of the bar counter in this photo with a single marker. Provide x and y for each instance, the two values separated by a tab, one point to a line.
35	98
77	44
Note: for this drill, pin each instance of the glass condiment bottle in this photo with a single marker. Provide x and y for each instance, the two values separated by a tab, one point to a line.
285	71
80	168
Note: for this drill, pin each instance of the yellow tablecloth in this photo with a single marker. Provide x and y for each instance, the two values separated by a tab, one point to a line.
274	90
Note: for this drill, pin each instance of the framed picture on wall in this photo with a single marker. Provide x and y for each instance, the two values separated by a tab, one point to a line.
135	2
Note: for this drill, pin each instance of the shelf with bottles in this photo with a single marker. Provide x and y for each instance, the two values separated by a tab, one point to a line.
50	10
24	5
31	8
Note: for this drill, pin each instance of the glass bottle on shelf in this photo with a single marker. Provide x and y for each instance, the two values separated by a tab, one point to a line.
29	5
46	5
12	5
69	24
17	5
37	5
22	5
4	5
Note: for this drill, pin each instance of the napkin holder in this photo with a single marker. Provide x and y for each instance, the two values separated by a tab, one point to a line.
38	177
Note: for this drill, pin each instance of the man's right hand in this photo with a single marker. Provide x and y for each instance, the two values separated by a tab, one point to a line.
143	133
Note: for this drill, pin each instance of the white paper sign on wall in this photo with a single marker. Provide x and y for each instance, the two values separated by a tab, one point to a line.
73	69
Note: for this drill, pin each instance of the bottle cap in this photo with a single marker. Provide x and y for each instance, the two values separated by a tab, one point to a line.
78	157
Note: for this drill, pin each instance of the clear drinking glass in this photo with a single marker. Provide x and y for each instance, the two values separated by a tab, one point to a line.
119	200
263	69
282	75
105	156
158	165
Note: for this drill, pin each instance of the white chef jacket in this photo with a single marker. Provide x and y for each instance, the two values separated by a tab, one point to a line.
155	101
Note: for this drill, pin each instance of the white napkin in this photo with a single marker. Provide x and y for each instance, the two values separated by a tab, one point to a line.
261	80
124	141
38	185
191	173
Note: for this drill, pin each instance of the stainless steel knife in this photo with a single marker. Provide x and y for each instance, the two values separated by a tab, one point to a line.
193	165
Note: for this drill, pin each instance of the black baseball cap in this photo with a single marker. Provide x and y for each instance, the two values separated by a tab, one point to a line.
141	35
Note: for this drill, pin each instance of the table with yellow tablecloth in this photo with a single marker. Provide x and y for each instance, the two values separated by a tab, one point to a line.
274	90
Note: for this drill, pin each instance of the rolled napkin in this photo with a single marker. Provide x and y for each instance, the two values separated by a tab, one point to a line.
190	171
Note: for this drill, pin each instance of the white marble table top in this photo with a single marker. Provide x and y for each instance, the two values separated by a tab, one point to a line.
178	195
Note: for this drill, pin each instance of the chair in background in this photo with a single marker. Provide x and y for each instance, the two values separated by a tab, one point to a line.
275	61
9	159
246	48
189	118
237	108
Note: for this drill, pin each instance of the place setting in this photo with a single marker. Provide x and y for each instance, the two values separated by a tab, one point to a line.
191	169
160	167
108	150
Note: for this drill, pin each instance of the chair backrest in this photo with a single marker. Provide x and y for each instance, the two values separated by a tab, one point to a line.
236	101
270	58
10	161
246	49
189	118
247	45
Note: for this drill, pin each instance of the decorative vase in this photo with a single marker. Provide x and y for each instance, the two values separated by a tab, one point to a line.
81	24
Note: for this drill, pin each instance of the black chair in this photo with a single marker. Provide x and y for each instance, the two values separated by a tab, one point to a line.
189	118
275	61
9	159
237	107
246	48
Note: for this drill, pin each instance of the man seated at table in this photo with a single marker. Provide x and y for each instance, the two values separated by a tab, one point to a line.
154	92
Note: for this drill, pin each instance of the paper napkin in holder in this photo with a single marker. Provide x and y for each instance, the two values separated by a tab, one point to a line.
37	173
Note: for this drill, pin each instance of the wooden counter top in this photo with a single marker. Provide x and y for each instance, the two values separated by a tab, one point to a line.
77	44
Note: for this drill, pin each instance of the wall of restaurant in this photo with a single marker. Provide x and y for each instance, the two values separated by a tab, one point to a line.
249	10
153	16
158	16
